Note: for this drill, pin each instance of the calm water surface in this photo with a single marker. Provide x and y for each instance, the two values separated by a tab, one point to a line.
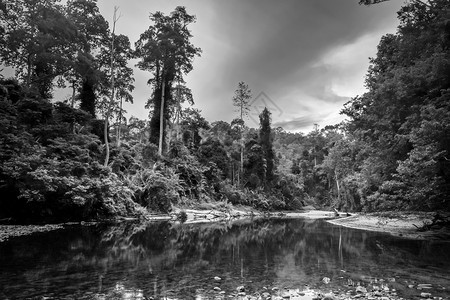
161	260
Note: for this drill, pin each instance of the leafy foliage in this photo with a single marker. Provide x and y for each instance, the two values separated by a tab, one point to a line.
156	189
50	165
404	115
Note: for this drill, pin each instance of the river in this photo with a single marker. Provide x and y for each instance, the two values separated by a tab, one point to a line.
217	260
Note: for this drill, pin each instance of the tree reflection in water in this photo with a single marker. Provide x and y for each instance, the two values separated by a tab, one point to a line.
132	261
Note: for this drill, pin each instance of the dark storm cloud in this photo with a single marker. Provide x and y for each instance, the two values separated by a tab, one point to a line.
273	40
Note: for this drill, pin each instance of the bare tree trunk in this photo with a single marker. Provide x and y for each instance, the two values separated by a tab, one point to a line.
73	105
73	95
169	136
111	100
119	124
232	173
338	187
241	171
178	125
161	118
178	111
238	178
29	70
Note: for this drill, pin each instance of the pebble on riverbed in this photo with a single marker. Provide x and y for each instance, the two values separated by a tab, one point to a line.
357	291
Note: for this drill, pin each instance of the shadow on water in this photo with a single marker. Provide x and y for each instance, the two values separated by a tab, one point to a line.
160	260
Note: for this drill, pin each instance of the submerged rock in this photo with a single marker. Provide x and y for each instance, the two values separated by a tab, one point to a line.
421	286
329	296
361	289
240	288
326	280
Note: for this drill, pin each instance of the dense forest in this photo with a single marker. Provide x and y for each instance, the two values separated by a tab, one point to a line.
81	158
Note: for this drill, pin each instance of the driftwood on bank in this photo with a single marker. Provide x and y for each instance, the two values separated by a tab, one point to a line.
340	214
438	221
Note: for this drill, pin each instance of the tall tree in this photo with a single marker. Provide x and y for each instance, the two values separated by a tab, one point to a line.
91	35
241	100
181	94
266	142
166	51
123	81
90	76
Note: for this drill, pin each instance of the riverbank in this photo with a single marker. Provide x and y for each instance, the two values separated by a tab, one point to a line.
404	224
399	224
238	212
191	216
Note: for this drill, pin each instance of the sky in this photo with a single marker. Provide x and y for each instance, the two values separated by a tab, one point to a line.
303	59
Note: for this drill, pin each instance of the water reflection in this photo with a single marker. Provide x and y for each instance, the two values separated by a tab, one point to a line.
166	260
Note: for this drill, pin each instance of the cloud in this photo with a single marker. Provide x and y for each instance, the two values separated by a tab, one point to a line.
275	40
296	124
316	111
344	64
